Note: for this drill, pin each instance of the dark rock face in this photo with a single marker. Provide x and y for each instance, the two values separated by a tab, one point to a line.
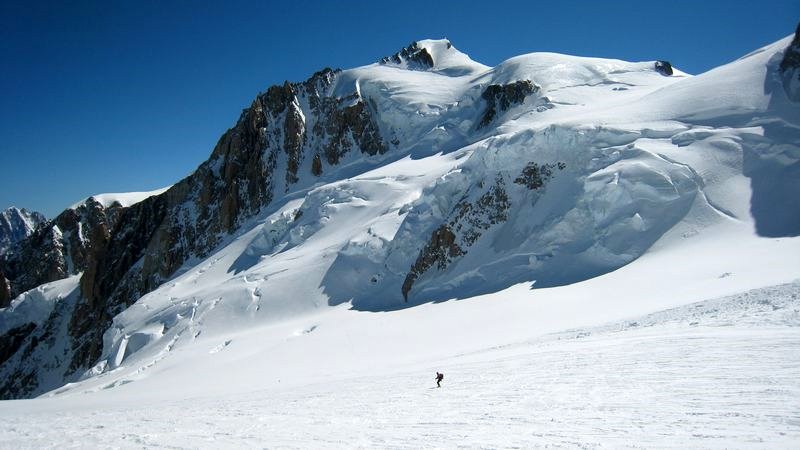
664	68
345	126
5	291
56	250
11	345
440	250
500	98
414	56
125	253
791	57
294	131
103	293
12	340
790	68
468	221
316	166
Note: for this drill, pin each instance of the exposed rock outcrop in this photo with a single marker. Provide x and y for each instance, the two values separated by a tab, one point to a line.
534	176
790	68
468	221
440	250
56	249
5	291
344	127
12	340
103	292
412	57
501	97
664	68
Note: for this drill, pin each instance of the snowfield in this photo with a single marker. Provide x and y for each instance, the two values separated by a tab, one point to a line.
712	374
613	262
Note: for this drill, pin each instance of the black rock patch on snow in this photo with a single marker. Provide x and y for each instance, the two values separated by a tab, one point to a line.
414	56
664	68
790	68
534	176
501	97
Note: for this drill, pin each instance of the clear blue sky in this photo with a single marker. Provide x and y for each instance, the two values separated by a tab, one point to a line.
106	96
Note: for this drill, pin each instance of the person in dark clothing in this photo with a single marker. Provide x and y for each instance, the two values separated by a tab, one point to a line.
439	378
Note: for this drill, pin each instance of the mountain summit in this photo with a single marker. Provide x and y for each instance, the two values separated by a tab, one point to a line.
436	55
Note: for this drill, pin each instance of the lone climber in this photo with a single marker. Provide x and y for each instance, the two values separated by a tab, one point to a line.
439	378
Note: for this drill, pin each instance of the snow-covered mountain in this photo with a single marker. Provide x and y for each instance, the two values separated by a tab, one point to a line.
423	177
17	224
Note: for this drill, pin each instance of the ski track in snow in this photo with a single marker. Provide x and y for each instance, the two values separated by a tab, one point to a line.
713	374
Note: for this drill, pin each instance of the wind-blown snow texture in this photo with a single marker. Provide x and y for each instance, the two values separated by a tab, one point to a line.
613	189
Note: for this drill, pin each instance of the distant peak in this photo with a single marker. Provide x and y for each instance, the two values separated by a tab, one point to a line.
23	212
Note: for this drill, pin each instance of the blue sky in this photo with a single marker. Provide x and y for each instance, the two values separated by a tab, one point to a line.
130	96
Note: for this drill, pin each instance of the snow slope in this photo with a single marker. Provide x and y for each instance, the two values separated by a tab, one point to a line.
606	196
123	199
711	374
36	304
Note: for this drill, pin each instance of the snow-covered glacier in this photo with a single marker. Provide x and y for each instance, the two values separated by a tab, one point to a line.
428	208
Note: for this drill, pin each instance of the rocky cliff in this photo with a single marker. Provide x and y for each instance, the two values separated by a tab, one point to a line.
55	249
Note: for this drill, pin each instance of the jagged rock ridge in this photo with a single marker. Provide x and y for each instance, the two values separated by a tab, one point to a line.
413	57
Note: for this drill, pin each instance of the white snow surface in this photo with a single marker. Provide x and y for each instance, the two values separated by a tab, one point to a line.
36	304
124	199
647	297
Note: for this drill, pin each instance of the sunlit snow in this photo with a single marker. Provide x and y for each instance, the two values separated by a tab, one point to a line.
648	297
